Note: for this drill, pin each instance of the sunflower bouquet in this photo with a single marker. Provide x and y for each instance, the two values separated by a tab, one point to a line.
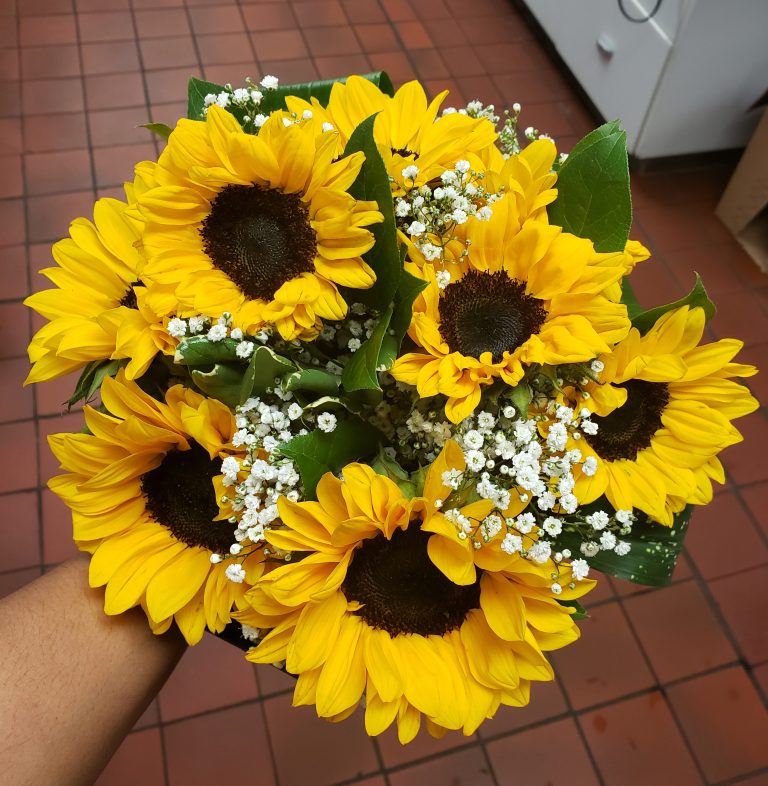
371	394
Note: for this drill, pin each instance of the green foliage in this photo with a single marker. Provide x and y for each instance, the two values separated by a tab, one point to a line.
653	556
593	198
198	89
199	351
629	299
91	378
221	382
384	465
645	320
313	380
265	370
372	184
317	452
360	371
160	129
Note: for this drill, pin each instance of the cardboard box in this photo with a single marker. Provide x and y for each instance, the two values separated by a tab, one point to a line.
743	208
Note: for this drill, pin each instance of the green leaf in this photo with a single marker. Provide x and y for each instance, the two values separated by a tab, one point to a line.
521	397
645	320
593	198
199	351
264	371
373	184
653	556
580	613
161	129
198	89
317	452
360	371
313	379
629	299
320	89
384	465
91	378
222	382
407	291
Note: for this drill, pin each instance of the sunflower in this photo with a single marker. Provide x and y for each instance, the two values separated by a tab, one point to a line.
98	309
407	130
260	226
141	489
664	410
525	294
368	609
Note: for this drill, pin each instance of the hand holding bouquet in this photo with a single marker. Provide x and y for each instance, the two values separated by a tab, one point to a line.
374	393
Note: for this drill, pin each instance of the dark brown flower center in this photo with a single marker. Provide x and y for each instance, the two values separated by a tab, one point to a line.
180	496
260	238
488	312
129	298
629	429
404	152
402	591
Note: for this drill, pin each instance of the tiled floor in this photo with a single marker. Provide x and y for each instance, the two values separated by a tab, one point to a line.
665	687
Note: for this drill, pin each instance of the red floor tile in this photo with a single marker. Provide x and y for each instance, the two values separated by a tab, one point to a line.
70	132
469	766
330	41
224	48
46	96
330	752
11	135
272	681
637	742
53	173
319	14
14	329
118	126
679	631
396	64
756	497
114	165
50	216
110	58
745	462
13	268
12	230
17	401
19	531
18	461
261	18
106	26
377	37
724	516
15	580
740	315
113	91
162	22
12	182
45	30
150	717
527	758
216	19
280	45
46	62
299	70
221	677
240	752
171	52
138	760
430	64
743	605
414	35
725	722
331	67
42	7
432	9
547	701
395	754
605	664
363	11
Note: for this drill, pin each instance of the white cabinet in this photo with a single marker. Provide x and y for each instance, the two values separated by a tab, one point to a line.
682	82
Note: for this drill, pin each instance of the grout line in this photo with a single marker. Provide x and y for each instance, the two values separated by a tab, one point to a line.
662	690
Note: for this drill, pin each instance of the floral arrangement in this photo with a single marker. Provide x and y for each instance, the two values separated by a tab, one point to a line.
372	395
